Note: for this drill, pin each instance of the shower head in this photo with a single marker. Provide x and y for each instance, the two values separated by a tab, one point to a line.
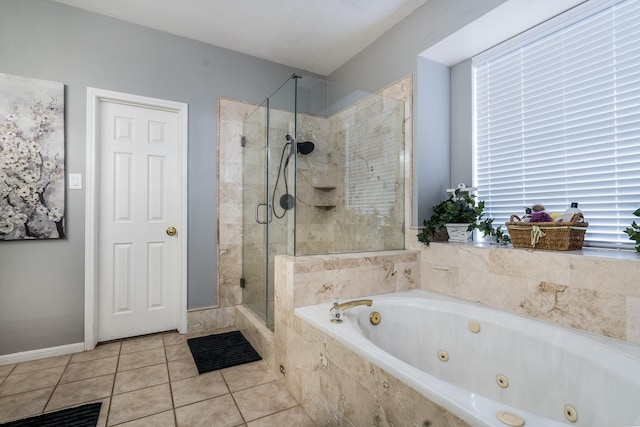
304	147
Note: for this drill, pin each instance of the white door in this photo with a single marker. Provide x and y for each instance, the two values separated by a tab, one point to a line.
138	204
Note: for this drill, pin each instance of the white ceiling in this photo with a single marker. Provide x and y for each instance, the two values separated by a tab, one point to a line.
313	35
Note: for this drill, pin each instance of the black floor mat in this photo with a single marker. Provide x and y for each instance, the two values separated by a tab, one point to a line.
80	416
220	351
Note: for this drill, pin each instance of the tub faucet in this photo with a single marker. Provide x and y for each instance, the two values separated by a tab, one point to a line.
338	308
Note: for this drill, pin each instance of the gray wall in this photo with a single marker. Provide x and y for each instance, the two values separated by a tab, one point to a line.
461	123
434	151
42	283
393	56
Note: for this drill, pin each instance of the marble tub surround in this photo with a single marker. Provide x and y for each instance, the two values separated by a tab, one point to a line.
257	333
335	386
596	294
319	278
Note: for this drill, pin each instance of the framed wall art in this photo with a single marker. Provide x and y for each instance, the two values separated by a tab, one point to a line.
32	196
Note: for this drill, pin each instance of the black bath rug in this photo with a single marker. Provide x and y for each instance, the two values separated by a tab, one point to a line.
80	416
221	351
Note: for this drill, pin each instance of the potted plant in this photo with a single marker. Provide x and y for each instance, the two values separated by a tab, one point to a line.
634	231
459	211
497	235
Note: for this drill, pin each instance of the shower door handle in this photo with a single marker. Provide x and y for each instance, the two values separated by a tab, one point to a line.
269	216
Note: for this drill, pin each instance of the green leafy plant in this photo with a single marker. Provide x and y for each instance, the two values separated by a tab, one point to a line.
461	208
634	231
497	234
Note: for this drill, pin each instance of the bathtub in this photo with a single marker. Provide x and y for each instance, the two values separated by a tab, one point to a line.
491	368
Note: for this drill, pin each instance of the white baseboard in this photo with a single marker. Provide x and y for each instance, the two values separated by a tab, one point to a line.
41	353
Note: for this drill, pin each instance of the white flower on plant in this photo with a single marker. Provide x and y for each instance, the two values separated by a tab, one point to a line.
6	227
8	213
23	151
48	164
11	117
11	157
55	214
29	178
24	192
42	210
20	218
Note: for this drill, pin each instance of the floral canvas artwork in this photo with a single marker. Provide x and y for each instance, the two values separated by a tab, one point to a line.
31	158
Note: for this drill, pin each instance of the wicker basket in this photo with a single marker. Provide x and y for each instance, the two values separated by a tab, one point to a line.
554	236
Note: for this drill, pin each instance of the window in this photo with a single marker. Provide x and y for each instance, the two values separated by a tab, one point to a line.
557	119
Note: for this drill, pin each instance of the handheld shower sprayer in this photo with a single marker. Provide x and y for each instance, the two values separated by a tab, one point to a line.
287	201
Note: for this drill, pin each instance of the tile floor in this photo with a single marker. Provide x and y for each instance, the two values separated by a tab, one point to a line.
149	381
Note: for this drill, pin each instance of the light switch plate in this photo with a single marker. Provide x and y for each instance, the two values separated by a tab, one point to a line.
75	181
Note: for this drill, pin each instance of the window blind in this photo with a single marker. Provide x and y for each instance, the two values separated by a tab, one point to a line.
557	120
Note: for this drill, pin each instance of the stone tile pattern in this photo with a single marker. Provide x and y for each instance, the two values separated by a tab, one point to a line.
362	186
236	119
335	386
149	381
574	289
326	230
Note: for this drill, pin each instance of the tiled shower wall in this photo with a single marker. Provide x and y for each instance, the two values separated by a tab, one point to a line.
351	188
326	225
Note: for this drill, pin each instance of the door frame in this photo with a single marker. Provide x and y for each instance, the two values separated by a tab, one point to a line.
94	97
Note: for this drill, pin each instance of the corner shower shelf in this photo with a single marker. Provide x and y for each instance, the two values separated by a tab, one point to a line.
323	187
324	184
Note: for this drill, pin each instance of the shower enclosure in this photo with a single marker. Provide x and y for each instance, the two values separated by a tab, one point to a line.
323	172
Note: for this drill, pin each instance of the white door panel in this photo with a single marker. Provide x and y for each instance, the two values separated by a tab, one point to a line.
139	194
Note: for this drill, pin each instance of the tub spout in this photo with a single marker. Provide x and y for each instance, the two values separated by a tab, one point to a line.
338	308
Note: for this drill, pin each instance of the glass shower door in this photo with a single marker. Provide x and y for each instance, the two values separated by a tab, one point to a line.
268	196
255	212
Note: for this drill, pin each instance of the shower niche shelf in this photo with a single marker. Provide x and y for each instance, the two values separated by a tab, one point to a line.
323	187
324	195
324	181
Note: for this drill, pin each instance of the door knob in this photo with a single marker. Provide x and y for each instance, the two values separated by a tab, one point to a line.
171	231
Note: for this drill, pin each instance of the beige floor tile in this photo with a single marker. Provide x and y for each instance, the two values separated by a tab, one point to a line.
139	404
178	351
143	343
266	399
5	370
248	375
82	391
27	381
90	369
295	416
23	405
140	378
196	389
163	419
181	369
36	365
100	352
218	412
173	338
141	359
104	412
